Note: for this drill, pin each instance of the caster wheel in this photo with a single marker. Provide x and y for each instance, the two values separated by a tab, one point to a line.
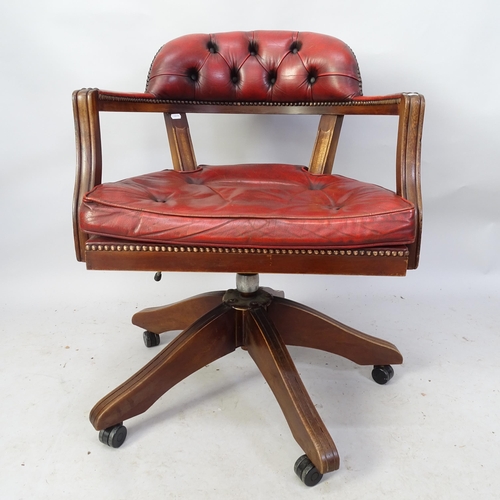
382	373
151	339
306	471
113	436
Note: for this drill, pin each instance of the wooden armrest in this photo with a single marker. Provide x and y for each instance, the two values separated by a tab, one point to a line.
147	102
411	119
88	156
112	95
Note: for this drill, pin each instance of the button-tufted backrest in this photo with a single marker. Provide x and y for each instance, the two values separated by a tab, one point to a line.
257	66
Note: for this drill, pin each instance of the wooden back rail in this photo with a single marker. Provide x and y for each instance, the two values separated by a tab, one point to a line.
88	103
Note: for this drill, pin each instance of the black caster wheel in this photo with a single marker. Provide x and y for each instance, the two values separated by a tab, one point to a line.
306	471
382	373
151	339
113	436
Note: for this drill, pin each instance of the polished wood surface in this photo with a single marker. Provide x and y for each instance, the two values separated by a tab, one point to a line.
177	316
325	147
302	326
115	255
411	120
88	157
268	350
205	341
263	324
181	145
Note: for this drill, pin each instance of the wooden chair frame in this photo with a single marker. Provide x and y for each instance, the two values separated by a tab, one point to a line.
216	323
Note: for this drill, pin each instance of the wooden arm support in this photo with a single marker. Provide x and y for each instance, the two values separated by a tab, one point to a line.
411	120
88	156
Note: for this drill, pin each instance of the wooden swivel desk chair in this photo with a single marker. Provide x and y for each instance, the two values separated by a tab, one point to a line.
248	219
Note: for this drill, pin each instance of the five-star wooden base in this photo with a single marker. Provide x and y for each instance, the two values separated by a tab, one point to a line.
215	324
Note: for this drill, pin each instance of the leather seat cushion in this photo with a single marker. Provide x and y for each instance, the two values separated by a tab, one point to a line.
249	206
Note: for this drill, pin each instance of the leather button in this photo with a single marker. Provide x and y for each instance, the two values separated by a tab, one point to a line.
193	74
252	48
295	47
235	76
312	76
212	47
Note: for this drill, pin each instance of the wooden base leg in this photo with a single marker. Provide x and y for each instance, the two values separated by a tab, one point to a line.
177	316
300	325
269	352
206	340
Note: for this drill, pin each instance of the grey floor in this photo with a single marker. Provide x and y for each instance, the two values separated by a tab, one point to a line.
432	433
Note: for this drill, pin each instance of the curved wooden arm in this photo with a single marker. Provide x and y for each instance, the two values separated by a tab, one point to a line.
88	156
411	119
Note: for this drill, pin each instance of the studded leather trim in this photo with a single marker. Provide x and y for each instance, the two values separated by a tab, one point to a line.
97	247
119	98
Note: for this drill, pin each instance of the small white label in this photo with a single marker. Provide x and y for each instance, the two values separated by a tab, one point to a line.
176	116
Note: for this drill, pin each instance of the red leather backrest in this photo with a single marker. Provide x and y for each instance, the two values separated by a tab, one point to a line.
257	66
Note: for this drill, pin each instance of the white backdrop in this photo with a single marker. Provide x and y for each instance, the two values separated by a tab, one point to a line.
446	50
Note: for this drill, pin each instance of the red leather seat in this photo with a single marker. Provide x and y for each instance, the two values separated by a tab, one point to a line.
245	206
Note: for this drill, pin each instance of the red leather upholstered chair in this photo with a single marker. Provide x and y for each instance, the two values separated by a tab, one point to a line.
248	219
